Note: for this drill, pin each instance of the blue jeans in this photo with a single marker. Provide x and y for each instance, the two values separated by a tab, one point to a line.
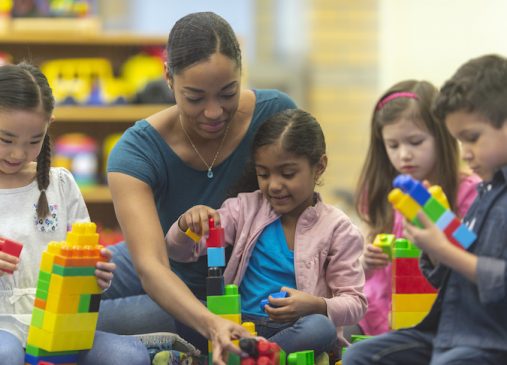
108	349
412	346
125	307
313	332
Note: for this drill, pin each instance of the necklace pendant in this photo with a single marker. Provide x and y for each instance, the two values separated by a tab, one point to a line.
210	173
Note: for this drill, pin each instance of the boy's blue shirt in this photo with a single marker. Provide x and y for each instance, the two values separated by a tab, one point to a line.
467	313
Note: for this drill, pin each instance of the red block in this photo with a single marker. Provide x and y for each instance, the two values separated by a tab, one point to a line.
412	285
10	247
406	267
216	236
449	230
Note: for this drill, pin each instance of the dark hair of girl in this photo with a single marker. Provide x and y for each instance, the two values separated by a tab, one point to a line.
24	87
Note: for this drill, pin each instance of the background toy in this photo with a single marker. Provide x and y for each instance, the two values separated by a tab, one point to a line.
409	196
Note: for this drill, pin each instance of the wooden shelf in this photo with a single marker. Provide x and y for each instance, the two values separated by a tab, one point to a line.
97	194
105	114
112	39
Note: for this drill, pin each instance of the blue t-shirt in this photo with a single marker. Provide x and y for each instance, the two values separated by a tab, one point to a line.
144	154
270	267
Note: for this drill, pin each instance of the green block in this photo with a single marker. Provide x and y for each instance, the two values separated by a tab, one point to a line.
84	303
231	289
233	359
403	248
44	276
301	358
41	294
283	357
224	304
74	271
357	338
433	209
37	317
35	351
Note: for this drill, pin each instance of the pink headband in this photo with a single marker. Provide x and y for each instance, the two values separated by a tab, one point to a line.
393	96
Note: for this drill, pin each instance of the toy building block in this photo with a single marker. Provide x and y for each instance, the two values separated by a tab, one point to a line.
216	256
409	197
262	352
215	282
67	299
385	242
216	236
10	247
265	302
301	358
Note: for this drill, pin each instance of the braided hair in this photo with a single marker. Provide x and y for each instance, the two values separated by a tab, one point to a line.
24	87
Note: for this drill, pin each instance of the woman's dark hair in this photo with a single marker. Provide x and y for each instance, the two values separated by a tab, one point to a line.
24	87
480	85
197	36
299	133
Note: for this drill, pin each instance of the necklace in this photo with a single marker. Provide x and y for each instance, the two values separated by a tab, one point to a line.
210	167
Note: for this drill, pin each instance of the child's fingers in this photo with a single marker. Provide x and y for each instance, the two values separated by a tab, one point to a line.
8	262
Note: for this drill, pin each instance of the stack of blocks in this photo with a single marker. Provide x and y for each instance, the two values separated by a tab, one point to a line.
409	197
67	299
412	294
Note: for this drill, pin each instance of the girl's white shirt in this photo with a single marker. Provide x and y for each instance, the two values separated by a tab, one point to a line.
19	222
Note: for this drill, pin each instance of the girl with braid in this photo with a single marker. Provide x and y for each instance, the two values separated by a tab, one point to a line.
37	205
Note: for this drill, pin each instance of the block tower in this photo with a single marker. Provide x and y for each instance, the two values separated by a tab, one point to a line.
409	196
67	299
412	294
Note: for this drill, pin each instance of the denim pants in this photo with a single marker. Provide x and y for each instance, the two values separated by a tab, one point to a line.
414	347
313	332
126	309
108	349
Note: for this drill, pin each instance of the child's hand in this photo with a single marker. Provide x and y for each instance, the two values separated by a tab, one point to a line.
8	262
374	258
296	305
430	238
196	218
104	272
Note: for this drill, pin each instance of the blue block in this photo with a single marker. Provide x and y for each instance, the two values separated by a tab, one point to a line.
445	219
55	359
216	256
413	188
464	236
280	294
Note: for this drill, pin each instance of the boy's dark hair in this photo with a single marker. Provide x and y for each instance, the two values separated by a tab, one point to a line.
299	133
479	86
197	36
24	87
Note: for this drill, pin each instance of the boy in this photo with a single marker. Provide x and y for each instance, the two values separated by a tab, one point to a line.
468	321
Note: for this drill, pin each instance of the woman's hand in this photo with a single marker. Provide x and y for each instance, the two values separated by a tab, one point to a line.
8	262
297	304
196	218
104	272
374	258
222	332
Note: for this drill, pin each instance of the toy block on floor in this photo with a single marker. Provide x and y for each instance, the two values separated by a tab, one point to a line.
10	247
409	196
301	358
65	311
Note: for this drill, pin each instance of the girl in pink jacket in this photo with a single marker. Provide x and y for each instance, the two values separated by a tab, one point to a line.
406	138
286	239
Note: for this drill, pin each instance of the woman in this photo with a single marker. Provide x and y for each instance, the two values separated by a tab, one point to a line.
190	153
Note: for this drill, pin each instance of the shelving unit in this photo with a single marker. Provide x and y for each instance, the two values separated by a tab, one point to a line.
97	122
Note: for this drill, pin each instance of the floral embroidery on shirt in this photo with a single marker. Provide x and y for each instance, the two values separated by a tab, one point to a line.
49	223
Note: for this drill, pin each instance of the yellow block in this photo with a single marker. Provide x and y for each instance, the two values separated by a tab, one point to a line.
406	319
57	322
46	263
74	285
413	302
63	341
61	303
404	203
236	318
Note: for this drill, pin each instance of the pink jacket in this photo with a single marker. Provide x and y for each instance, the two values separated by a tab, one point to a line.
378	284
327	249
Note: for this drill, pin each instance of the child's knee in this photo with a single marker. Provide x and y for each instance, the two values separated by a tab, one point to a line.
11	350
